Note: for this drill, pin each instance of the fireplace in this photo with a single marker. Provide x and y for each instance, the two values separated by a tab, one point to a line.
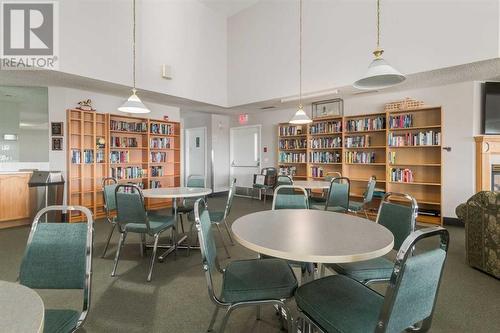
495	177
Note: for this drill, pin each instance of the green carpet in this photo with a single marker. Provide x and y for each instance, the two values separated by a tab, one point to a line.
177	300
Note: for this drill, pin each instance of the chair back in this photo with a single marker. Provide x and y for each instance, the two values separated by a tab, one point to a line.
108	190
338	194
230	196
290	197
284	180
399	219
332	174
130	205
415	281
370	188
195	181
59	255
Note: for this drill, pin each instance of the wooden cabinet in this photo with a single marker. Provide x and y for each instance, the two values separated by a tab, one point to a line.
14	196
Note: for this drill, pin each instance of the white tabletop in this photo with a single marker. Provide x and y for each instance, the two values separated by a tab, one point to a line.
312	184
21	309
312	236
176	192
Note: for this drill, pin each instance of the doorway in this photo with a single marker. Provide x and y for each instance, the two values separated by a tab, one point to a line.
196	153
245	156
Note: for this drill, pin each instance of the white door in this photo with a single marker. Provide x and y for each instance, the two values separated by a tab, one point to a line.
245	154
196	152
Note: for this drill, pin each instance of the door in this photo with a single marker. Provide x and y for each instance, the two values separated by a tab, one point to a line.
196	153
245	154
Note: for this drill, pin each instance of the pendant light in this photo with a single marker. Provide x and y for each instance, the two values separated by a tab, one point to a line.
133	103
380	74
300	116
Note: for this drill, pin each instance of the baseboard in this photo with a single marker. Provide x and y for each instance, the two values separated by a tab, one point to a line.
453	221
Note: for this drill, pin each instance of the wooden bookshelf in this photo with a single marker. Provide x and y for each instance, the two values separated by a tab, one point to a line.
372	145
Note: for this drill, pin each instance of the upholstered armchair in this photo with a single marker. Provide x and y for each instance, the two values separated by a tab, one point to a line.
481	215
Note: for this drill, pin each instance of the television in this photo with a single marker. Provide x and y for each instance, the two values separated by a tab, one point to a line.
491	108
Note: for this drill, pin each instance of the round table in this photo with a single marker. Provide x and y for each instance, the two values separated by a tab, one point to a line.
312	184
174	193
21	309
312	236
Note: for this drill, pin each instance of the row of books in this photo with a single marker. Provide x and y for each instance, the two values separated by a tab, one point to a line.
127	172
357	141
157	171
292	157
326	127
326	142
292	144
401	121
364	157
128	190
160	143
128	126
401	175
290	130
392	157
429	138
165	129
123	142
366	124
88	156
324	157
288	170
119	157
158	157
154	184
317	172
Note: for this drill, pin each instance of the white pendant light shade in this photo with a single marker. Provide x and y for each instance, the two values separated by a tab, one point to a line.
133	105
300	117
379	75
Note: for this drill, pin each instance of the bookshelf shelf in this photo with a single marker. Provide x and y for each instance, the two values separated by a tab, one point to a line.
415	183
415	128
362	132
365	148
420	146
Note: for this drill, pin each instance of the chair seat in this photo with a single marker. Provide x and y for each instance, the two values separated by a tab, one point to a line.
378	268
355	206
185	209
336	209
339	304
262	186
163	222
258	279
216	216
60	321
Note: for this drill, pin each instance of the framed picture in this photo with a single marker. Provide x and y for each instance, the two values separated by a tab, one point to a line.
57	143
330	108
57	129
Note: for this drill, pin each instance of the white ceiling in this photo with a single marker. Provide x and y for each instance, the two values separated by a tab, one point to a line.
229	7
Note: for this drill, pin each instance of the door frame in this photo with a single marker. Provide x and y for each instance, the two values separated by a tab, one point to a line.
186	155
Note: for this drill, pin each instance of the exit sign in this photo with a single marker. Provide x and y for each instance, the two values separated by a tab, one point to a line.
243	118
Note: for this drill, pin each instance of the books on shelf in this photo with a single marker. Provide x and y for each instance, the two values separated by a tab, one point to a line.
392	157
75	156
324	157
123	142
292	157
288	170
332	126
290	130
365	124
401	121
364	157
88	156
317	172
119	157
292	144
159	143
158	157
429	138
163	129
357	141
326	142
157	171
155	184
127	172
401	175
125	126
100	156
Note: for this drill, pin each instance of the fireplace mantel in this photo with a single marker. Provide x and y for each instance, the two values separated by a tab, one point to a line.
487	152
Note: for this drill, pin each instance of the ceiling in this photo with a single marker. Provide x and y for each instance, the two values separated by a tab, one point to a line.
229	7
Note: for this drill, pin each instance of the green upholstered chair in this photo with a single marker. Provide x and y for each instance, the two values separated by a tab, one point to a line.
340	304
252	282
133	217
220	217
290	197
269	174
187	204
337	199
108	190
400	220
357	207
284	180
59	256
315	200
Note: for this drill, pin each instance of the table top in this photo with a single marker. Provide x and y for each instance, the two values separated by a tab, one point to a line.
312	184
21	309
176	192
312	236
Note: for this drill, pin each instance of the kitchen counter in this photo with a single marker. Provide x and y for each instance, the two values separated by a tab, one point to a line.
14	198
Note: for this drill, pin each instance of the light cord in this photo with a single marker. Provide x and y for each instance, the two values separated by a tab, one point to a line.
300	55
133	48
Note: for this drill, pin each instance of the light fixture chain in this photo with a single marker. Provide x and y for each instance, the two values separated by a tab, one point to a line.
133	46
300	55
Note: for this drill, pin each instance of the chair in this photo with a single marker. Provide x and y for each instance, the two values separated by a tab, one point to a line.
253	282
108	191
340	304
284	180
400	220
218	217
290	197
187	204
133	217
337	199
59	256
321	199
481	217
332	174
269	181
357	207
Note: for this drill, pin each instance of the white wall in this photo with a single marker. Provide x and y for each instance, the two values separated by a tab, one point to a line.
96	42
460	108
220	152
339	36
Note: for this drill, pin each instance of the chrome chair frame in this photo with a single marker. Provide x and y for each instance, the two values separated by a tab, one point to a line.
365	199
268	186
211	291
156	236
111	220
88	252
307	324
294	188
183	201
337	180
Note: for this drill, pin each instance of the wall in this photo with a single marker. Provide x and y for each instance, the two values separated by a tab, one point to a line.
339	36
220	152
460	107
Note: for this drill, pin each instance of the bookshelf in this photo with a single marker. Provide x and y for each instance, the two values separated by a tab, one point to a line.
402	149
292	150
134	150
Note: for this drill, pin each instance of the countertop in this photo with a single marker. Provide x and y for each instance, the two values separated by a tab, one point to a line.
14	172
